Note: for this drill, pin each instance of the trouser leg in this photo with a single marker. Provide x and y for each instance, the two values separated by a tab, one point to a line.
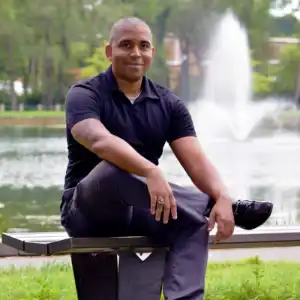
112	201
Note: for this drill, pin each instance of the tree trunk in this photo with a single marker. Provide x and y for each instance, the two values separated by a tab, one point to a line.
60	84
297	90
35	74
48	86
48	74
26	76
161	24
184	87
11	72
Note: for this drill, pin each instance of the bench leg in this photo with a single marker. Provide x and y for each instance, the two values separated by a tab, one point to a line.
141	279
96	276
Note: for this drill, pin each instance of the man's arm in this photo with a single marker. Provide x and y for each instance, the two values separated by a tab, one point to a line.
83	116
93	135
186	147
199	168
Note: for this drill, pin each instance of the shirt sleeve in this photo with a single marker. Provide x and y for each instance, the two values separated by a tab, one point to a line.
181	123
81	104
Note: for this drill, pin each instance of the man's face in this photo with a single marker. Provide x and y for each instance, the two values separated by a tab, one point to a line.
131	52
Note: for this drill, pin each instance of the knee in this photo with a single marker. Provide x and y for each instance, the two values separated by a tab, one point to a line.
108	170
103	173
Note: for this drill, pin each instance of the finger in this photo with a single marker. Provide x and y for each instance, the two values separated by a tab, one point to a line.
173	207
221	226
159	210
229	229
167	210
218	237
211	221
153	201
220	231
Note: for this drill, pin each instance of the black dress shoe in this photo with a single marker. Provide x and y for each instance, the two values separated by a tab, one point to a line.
248	214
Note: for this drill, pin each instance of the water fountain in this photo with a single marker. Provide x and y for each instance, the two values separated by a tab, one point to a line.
226	106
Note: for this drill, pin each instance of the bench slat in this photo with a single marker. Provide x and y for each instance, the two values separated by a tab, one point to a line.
61	234
50	243
46	246
141	244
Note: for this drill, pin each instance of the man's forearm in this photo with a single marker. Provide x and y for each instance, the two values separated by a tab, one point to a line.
120	153
199	168
206	177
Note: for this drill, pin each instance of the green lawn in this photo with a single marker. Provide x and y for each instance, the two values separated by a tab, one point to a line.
245	280
53	113
31	114
291	113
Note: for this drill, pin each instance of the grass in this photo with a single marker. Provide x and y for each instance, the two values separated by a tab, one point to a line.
31	114
253	280
291	113
54	113
246	280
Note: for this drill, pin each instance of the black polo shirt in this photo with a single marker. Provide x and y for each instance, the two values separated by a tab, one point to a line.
157	116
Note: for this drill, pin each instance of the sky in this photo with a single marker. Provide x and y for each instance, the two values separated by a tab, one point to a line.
288	9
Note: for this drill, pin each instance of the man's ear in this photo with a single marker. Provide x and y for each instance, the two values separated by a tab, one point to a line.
108	52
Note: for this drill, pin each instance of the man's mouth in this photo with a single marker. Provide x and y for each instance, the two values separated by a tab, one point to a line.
134	65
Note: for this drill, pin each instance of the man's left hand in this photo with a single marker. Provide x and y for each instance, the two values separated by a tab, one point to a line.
222	215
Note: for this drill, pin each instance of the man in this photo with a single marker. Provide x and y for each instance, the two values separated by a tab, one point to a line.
117	125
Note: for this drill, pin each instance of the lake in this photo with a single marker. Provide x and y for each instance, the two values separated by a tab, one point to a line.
33	163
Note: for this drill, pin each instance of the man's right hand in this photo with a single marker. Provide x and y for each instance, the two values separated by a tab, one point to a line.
160	190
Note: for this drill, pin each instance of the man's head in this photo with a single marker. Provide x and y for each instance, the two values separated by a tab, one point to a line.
130	48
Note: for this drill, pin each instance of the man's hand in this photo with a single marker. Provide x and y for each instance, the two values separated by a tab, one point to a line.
161	192
222	215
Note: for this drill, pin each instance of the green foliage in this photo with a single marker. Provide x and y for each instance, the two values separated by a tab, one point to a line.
159	70
248	279
45	45
262	84
5	97
253	279
286	71
97	63
32	98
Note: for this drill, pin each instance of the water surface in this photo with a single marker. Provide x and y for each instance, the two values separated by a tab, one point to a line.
33	163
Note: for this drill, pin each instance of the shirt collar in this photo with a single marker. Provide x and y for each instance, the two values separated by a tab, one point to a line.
148	88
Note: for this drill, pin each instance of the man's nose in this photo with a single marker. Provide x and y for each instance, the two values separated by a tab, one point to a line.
135	51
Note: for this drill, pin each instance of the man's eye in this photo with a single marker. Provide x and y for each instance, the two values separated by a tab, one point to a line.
145	46
125	45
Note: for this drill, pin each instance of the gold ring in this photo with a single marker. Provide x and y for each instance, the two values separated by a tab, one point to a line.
161	201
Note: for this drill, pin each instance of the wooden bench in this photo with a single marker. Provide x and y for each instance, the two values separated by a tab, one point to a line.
114	268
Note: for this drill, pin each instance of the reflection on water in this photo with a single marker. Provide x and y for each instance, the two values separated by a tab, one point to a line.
24	208
33	162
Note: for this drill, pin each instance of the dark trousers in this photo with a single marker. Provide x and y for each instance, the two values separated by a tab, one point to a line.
111	202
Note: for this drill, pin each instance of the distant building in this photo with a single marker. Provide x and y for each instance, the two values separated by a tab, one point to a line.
174	56
276	45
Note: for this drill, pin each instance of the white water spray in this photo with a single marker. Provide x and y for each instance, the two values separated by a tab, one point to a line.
226	105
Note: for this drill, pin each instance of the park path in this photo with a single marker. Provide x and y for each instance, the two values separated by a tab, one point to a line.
280	253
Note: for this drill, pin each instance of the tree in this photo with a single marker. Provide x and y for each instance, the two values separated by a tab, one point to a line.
96	63
286	72
44	43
